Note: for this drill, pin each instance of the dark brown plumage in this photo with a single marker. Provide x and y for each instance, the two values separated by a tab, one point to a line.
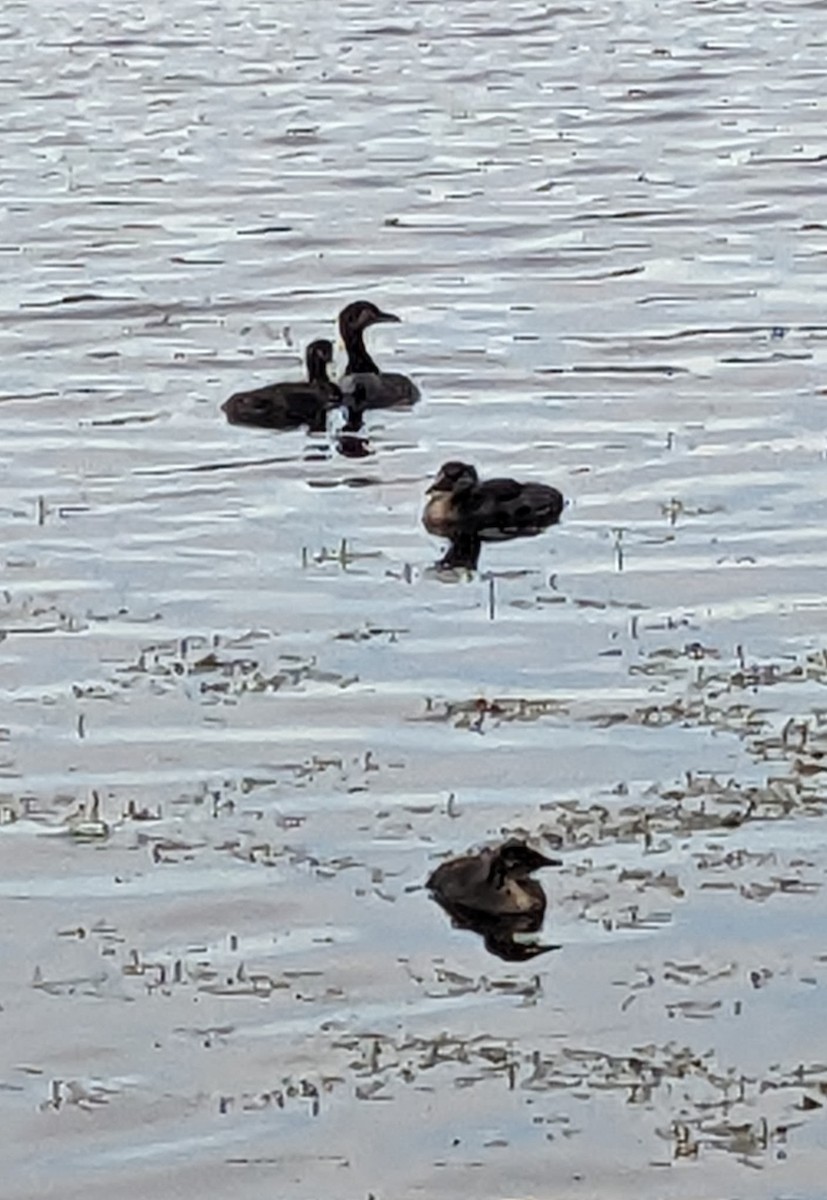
495	883
468	511
380	389
290	404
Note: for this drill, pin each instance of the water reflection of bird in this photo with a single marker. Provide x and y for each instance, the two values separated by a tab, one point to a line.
492	893
290	404
469	512
502	936
382	389
351	440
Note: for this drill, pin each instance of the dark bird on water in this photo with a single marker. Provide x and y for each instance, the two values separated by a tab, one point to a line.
290	404
492	894
381	389
469	511
496	882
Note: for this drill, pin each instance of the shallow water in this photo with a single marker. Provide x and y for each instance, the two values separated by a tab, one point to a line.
604	228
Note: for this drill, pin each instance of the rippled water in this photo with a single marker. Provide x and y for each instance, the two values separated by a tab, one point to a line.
604	227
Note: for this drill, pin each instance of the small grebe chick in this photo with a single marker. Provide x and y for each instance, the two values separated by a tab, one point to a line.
494	883
469	511
290	404
382	389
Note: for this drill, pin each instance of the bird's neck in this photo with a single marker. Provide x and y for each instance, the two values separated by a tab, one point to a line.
359	362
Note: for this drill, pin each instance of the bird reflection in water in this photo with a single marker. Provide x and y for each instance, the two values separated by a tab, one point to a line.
352	439
493	894
504	937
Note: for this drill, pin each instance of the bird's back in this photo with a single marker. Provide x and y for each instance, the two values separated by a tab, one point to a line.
380	389
503	508
466	884
281	406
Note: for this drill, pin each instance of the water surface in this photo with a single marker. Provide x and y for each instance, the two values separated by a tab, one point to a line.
604	228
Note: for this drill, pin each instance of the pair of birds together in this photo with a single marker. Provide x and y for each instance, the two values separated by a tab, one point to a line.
293	403
460	507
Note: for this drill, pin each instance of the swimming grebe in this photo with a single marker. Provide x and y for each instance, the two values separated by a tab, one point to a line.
382	389
469	512
290	404
494	883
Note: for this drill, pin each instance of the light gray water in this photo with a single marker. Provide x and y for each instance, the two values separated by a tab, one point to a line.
605	228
